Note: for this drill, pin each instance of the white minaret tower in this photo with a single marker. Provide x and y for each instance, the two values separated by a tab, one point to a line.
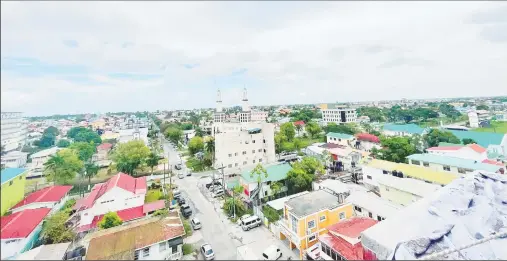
219	101
245	106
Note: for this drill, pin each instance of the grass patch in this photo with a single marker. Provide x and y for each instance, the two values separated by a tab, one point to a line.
496	126
153	195
188	228
187	249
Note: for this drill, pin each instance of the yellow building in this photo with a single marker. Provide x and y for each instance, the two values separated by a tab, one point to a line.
309	215
98	124
109	135
13	187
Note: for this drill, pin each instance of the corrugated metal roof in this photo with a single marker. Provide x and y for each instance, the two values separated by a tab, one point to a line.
455	162
482	138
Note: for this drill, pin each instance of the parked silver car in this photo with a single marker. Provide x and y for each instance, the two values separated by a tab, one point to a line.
207	252
196	223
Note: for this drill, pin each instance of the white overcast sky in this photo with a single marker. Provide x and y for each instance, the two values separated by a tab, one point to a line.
75	57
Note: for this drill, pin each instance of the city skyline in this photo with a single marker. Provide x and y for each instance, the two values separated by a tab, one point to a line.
78	57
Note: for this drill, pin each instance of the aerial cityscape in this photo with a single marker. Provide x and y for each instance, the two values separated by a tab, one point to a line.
253	130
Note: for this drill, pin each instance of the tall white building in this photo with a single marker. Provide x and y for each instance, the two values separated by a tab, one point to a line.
243	144
342	115
219	114
14	130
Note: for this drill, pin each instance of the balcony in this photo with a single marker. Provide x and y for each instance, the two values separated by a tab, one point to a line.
283	224
176	256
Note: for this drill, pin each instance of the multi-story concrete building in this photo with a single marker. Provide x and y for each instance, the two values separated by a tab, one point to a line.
242	144
14	130
341	115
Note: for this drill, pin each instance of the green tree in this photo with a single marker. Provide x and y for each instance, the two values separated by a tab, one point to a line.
288	130
210	149
174	135
234	205
110	220
130	155
88	137
236	190
482	107
62	167
435	136
199	132
152	161
63	143
46	141
348	128
259	172
84	150
53	131
299	127
276	188
55	231
91	170
395	149
279	140
303	173
313	129
468	141
297	145
375	114
196	144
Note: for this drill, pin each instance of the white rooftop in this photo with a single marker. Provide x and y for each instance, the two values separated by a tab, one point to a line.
45	153
45	252
278	204
470	208
414	186
373	203
338	187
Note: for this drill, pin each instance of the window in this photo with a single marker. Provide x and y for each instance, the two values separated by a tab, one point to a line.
312	238
416	162
370	214
253	141
385	172
146	252
387	189
260	160
162	246
253	151
322	218
244	152
358	209
260	150
136	255
342	215
368	176
235	154
230	165
253	161
379	218
244	162
462	171
174	249
294	225
263	141
10	183
20	177
236	164
311	224
447	168
246	142
426	164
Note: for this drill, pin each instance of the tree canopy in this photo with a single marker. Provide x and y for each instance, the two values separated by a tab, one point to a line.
55	231
435	136
468	141
313	129
196	144
175	135
130	155
110	219
63	143
84	150
82	134
303	173
288	130
348	128
62	167
305	115
395	149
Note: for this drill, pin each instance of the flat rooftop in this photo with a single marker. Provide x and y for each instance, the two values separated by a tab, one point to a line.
312	202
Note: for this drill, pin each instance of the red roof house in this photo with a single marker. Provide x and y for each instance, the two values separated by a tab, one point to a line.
343	238
46	197
105	146
367	137
302	123
21	224
476	148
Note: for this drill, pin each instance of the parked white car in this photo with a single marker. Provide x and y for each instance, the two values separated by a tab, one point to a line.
218	193
273	252
196	223
207	252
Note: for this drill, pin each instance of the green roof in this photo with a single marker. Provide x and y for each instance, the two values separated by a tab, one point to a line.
275	173
408	128
454	162
447	144
482	138
339	135
231	184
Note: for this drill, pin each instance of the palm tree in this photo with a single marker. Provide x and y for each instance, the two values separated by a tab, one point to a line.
152	161
298	144
259	172
52	165
299	127
210	148
91	170
236	190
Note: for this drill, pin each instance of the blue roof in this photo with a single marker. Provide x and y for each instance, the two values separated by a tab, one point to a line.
10	173
482	138
454	162
340	135
409	128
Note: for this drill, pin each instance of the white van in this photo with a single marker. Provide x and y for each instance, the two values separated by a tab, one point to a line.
250	222
273	252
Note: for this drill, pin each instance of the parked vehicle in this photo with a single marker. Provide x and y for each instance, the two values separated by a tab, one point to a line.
189	173
207	252
181	175
245	216
214	183
218	193
181	201
250	222
186	211
216	187
178	166
273	252
196	224
176	193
